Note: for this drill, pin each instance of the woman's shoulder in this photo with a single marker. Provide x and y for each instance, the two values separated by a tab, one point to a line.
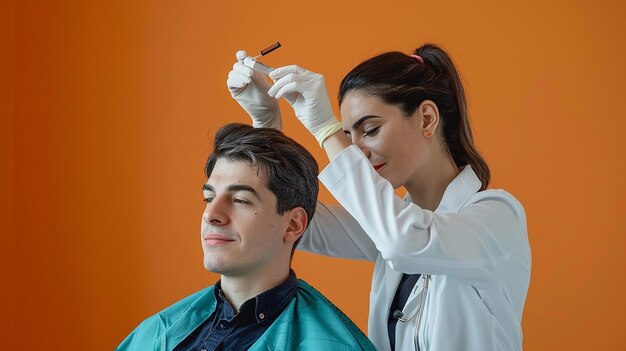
496	198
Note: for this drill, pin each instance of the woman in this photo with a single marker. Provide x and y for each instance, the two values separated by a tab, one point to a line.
452	259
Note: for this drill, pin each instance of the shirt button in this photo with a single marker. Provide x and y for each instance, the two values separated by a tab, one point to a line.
261	316
222	325
203	350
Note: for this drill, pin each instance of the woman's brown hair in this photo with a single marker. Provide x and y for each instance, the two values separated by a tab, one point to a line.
406	81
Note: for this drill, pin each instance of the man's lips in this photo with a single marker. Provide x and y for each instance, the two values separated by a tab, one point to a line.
216	239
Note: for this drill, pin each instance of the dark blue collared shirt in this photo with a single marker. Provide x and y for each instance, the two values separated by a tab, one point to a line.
226	331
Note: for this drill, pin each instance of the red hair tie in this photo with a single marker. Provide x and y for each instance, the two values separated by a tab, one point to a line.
418	57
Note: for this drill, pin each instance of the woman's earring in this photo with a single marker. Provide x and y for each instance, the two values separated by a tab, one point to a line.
428	133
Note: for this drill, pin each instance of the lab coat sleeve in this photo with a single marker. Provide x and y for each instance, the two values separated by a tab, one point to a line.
334	232
473	245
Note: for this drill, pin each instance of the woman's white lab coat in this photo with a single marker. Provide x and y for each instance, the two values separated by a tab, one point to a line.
474	245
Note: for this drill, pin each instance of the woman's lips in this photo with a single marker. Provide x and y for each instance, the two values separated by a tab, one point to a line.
377	167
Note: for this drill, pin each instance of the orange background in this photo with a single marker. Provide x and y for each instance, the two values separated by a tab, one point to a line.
108	108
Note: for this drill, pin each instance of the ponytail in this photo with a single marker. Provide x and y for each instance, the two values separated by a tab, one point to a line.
457	131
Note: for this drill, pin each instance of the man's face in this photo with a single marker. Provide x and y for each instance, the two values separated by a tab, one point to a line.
242	234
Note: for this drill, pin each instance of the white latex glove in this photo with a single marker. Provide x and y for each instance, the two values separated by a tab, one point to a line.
306	92
249	88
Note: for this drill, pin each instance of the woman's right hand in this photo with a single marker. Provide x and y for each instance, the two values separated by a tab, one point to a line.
250	88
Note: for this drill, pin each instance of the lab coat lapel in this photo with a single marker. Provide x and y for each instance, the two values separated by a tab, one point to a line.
459	191
381	296
392	285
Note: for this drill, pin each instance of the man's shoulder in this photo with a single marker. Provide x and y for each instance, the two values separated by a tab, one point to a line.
312	304
307	294
203	298
312	322
153	329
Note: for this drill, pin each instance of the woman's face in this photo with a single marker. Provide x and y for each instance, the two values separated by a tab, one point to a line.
393	142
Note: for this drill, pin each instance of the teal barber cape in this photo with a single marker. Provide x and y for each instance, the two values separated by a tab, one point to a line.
309	322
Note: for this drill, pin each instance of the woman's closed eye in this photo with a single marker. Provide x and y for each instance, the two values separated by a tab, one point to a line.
371	131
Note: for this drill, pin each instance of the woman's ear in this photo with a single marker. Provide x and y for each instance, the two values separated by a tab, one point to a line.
298	220
430	117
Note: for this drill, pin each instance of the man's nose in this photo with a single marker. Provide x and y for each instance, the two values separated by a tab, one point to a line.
214	213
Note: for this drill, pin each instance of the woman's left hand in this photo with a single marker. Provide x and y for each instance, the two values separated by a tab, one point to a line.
306	92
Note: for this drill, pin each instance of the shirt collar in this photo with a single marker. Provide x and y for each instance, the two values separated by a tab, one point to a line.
458	192
273	301
265	305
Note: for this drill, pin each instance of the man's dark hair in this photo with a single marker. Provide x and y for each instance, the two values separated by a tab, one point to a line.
290	170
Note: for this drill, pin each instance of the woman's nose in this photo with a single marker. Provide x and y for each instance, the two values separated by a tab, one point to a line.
359	143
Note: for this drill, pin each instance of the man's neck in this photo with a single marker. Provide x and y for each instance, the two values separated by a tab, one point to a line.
239	289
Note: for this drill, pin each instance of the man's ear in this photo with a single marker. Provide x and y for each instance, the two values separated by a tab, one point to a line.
297	224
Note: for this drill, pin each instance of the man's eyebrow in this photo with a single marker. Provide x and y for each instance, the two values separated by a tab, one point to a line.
360	121
243	187
234	188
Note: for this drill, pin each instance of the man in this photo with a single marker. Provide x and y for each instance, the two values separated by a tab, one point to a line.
261	194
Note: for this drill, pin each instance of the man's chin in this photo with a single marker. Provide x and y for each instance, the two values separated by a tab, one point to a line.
215	267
